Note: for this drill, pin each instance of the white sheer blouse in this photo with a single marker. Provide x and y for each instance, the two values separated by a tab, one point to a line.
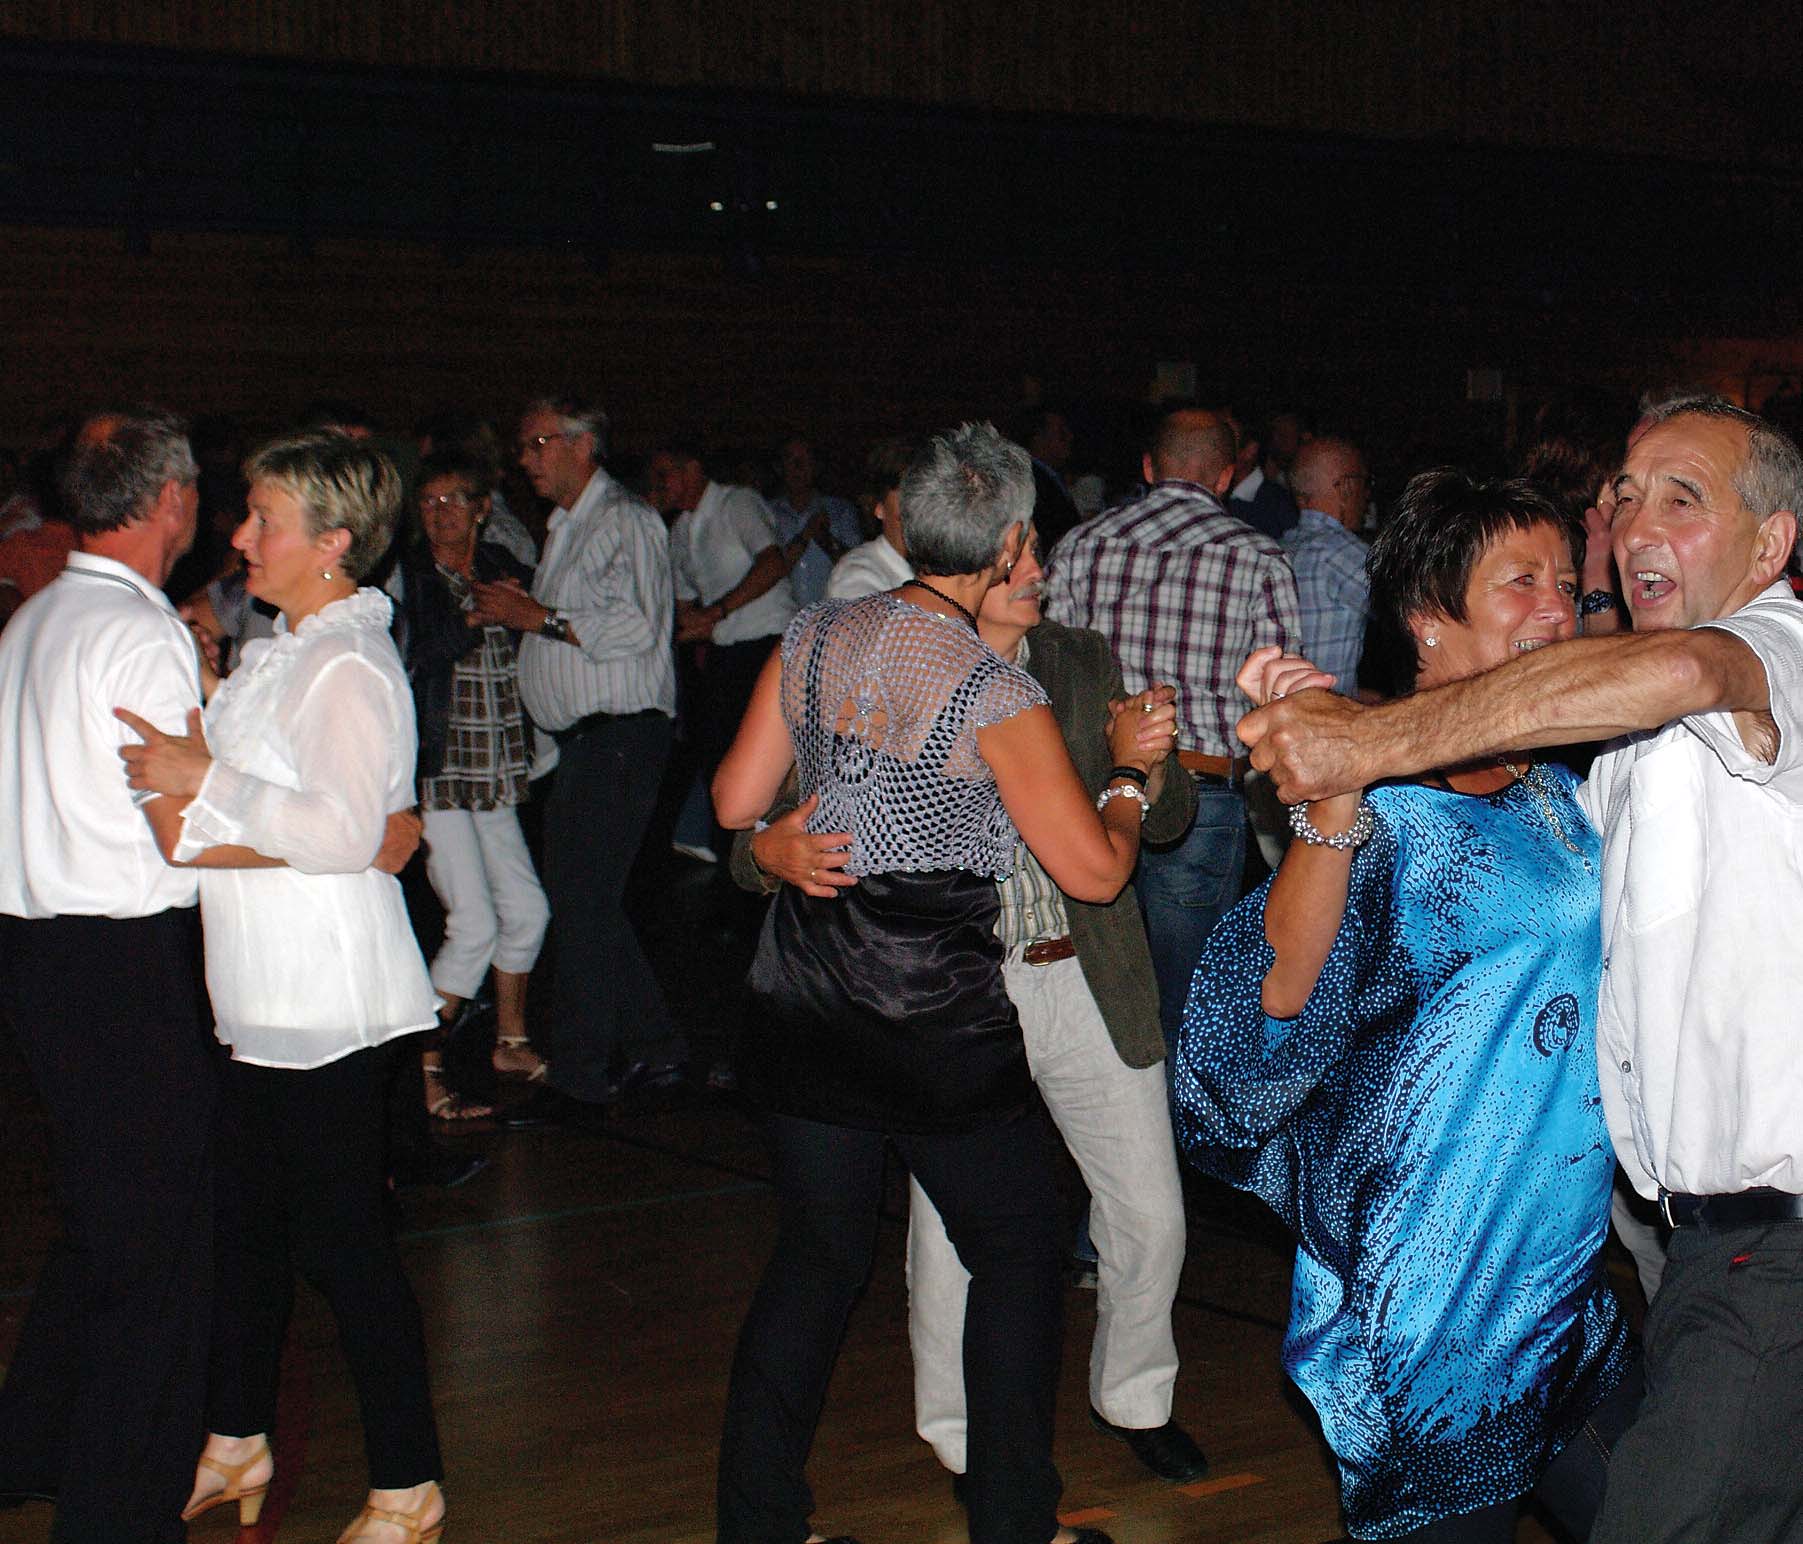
313	743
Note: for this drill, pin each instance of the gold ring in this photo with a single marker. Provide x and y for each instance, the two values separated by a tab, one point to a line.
1146	706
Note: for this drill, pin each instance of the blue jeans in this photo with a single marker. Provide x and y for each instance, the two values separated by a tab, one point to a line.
1185	890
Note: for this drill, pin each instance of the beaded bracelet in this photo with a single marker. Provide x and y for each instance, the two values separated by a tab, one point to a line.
1126	791
1354	836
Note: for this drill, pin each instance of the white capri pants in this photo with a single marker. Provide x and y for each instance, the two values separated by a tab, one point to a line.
1116	1121
495	909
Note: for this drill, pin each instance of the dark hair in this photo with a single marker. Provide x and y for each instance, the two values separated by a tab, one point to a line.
457	461
112	479
1422	558
887	460
1579	437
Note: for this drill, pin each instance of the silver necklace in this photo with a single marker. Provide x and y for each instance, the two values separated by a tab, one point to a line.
1534	779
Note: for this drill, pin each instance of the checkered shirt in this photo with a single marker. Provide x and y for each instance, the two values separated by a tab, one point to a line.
1184	592
1329	562
484	763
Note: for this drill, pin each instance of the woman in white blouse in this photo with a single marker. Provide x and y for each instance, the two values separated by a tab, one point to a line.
313	969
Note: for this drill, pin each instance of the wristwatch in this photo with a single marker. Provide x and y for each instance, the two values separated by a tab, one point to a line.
1595	601
556	627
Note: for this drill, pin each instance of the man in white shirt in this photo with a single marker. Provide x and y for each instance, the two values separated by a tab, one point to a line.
732	594
103	1401
597	673
882	562
828	524
1699	805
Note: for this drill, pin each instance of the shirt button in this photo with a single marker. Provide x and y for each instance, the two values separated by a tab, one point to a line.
1627	1066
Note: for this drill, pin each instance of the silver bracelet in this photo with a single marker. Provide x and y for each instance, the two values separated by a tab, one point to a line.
1125	791
1353	837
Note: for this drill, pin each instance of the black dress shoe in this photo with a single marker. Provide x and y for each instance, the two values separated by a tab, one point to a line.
547	1107
1167	1450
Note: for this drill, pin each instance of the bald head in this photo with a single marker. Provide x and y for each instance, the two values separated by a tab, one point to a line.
1329	475
1192	445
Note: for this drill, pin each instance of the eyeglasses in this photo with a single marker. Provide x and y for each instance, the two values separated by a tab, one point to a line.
531	444
432	501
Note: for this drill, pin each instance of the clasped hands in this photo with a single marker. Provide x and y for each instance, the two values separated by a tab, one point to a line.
1302	734
504	603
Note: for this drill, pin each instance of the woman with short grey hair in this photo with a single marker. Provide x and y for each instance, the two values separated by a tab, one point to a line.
883	1013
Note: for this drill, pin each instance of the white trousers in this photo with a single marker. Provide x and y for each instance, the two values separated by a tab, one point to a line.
495	909
1116	1120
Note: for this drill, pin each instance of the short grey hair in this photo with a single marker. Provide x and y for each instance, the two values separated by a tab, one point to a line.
959	495
1771	476
112	480
340	484
578	415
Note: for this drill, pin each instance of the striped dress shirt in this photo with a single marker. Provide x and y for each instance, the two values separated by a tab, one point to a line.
1184	592
606	567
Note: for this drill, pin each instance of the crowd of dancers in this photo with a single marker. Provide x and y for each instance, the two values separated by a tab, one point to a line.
1533	876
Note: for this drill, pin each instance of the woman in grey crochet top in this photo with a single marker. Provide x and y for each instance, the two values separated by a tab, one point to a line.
883	1015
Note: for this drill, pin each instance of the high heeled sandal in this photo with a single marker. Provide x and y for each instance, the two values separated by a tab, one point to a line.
249	1498
408	1522
450	1106
516	1042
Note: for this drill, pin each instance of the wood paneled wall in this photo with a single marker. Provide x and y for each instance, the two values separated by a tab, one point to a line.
1713	82
846	350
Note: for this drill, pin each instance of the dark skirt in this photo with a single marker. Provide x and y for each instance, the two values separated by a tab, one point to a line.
883	1008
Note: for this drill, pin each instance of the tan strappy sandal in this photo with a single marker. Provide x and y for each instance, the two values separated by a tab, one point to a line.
248	1497
410	1523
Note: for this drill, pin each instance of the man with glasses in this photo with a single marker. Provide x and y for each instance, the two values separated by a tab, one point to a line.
597	673
1333	488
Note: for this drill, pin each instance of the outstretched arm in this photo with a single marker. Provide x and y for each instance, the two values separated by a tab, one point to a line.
1317	744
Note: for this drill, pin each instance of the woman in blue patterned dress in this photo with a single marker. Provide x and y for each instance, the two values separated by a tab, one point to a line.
1393	1045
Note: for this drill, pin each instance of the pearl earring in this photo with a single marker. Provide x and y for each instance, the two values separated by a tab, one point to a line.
325	573
1432	643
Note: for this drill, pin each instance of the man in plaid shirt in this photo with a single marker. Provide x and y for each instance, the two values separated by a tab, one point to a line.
1184	592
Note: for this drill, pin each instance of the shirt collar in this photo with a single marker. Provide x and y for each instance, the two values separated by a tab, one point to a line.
112	569
1248	486
593	495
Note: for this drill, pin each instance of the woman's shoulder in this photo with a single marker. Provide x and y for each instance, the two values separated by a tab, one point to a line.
355	629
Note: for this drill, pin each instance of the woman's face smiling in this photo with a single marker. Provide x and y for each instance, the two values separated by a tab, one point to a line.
1521	595
283	561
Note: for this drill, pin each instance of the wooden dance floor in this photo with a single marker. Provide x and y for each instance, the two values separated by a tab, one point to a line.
581	1297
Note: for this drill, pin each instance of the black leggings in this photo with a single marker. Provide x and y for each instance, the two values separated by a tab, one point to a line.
996	1191
1571	1488
302	1177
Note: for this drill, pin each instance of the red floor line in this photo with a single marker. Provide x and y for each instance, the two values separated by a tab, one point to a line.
1224	1482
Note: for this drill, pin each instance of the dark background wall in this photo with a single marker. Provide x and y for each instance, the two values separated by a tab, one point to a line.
897	220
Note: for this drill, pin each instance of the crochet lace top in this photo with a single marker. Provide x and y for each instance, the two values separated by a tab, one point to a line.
883	701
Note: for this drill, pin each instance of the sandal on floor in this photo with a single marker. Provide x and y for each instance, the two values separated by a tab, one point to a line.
363	1525
248	1497
450	1107
537	1074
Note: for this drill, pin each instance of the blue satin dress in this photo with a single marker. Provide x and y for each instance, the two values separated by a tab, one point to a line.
1432	1130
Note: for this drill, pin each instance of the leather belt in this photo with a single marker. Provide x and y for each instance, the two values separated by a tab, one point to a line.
1748	1206
593	721
1230	770
1048	951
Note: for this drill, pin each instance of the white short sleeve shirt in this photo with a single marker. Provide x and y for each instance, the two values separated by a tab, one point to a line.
713	546
1698	1041
73	841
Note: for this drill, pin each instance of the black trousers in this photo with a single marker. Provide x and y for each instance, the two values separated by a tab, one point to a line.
1571	1488
723	692
302	1176
607	1007
1716	1455
996	1192
103	1398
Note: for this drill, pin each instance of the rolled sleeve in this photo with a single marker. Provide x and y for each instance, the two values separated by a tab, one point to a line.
1772	627
344	732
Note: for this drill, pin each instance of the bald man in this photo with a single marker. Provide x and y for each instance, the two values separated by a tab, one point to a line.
1333	488
1183	591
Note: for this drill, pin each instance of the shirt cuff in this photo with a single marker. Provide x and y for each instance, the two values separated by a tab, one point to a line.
217	815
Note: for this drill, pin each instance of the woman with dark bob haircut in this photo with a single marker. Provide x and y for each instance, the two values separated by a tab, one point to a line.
1393	1045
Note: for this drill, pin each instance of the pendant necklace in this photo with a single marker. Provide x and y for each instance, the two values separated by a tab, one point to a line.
1534	780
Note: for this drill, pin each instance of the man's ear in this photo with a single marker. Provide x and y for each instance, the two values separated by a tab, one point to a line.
1146	469
1777	541
1229	475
